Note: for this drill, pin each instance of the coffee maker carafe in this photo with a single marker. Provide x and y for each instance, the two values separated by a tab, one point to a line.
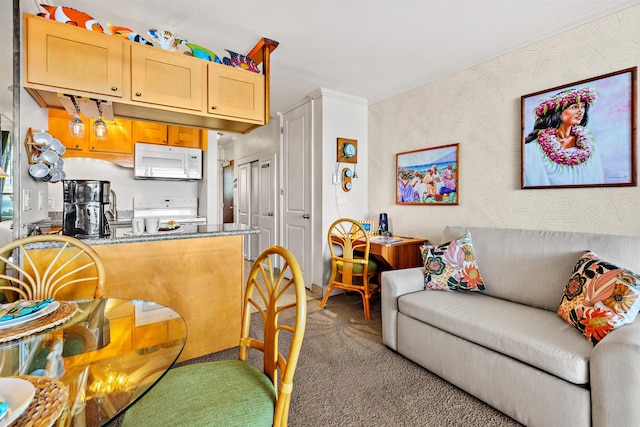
84	208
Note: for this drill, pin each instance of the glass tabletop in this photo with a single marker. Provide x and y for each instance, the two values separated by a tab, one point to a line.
107	355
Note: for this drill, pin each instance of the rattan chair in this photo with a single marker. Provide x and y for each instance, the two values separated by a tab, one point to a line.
351	267
53	265
235	392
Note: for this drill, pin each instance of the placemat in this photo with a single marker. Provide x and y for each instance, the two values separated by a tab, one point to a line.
47	404
63	313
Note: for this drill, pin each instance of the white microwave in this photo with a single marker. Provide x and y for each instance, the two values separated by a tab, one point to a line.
152	161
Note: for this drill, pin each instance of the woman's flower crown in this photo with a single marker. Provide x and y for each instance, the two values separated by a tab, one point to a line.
565	98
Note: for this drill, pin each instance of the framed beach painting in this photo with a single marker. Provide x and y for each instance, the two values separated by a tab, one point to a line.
428	176
581	134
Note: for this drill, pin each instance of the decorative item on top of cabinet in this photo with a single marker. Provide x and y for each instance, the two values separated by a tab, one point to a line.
166	39
68	15
203	53
127	34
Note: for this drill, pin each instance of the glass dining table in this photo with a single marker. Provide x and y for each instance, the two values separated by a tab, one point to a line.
104	356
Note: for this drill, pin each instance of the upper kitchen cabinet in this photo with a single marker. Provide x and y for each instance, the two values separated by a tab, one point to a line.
236	93
150	132
117	148
179	136
143	82
118	139
164	78
59	128
72	58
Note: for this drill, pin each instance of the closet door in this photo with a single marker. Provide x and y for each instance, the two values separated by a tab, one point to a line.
266	204
296	188
254	239
243	204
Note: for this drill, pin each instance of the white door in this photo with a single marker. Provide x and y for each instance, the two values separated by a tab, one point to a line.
254	239
267	203
243	204
296	188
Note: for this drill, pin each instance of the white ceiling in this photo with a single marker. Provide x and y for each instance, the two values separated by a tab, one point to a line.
369	48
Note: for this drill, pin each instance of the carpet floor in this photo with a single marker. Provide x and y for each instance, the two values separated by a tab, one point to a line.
347	377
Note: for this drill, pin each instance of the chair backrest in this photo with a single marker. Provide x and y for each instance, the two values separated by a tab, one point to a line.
39	267
273	274
350	237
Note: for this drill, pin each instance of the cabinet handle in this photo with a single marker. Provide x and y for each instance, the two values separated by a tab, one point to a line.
138	94
114	88
213	107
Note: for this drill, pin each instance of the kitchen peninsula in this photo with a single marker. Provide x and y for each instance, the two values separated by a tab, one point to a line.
198	272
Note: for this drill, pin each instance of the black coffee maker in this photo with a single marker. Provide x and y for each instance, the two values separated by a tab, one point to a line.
84	208
383	224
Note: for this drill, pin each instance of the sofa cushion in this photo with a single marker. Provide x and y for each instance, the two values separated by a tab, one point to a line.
599	297
533	336
452	266
532	266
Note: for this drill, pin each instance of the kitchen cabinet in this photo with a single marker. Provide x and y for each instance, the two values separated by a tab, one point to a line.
187	137
59	128
235	93
67	57
150	133
144	83
117	148
119	139
164	78
179	136
176	273
123	134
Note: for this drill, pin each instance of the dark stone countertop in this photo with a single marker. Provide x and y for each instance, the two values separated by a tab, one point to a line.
121	233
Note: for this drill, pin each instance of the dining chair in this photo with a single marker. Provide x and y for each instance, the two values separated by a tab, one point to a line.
236	392
57	263
351	266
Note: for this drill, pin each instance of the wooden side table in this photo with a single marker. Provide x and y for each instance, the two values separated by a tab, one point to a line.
397	252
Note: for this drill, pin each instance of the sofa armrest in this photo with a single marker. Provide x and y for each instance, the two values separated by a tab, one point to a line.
396	283
615	378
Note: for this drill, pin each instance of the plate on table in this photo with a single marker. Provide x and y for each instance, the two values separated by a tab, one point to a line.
49	308
18	394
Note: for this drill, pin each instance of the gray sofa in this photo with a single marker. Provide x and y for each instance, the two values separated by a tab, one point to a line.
506	345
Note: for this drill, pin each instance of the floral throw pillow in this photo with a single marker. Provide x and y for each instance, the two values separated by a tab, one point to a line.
599	297
452	266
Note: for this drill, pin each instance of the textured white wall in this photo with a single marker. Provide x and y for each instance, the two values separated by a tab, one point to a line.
480	108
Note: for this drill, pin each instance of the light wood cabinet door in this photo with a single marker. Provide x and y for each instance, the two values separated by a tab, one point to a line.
59	128
151	133
185	137
67	57
235	93
118	138
164	78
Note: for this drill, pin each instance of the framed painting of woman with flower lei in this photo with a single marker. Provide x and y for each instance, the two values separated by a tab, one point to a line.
581	134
